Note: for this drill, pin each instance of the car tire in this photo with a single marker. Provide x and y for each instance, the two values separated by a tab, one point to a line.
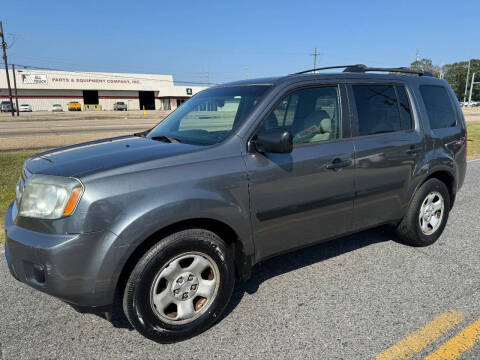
427	214
157	275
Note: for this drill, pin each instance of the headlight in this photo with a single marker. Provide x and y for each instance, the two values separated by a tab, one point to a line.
18	191
49	197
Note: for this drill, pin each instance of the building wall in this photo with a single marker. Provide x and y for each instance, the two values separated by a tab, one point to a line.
41	89
68	80
43	100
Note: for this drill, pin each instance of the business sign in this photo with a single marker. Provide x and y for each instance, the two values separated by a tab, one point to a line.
93	80
189	91
34	78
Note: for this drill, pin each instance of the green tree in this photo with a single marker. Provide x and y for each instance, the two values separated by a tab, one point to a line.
426	65
456	74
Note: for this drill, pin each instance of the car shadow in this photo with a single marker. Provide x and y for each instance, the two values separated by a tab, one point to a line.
284	264
298	259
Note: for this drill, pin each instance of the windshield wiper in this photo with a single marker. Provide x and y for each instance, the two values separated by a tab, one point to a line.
166	138
142	133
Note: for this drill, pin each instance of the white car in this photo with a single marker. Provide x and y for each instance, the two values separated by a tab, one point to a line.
25	108
57	107
472	103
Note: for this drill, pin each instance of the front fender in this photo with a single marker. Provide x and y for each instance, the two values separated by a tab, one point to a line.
137	201
146	223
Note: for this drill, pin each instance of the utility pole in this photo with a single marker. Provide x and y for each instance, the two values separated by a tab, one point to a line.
4	48
15	86
471	89
315	54
466	82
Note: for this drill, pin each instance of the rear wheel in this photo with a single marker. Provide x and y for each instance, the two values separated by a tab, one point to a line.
427	215
180	287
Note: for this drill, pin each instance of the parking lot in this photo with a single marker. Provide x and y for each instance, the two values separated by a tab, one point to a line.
357	297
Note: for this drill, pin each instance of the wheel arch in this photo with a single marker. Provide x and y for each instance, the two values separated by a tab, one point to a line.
243	261
448	179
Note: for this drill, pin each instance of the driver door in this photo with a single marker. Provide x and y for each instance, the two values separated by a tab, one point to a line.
305	196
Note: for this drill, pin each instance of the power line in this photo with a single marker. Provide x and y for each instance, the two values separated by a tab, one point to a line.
61	63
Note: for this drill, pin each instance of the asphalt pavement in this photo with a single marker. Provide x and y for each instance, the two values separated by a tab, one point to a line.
32	131
351	298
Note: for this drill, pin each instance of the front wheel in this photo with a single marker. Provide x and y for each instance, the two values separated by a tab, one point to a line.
427	214
180	287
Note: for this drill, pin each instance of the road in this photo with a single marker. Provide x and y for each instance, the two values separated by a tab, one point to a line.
352	298
47	130
42	130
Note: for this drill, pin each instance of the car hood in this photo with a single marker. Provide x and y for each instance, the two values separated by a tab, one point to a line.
96	156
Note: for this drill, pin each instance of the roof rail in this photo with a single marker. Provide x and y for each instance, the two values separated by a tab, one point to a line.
360	68
325	68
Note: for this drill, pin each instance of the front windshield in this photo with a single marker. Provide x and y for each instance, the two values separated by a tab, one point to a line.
210	116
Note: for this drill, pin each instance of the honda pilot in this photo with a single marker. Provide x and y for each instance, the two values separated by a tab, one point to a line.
170	218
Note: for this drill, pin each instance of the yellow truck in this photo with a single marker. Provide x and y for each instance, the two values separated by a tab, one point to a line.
74	106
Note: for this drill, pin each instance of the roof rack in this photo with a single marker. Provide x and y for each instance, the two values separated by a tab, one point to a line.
360	68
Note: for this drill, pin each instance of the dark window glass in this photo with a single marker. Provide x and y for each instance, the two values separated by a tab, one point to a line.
405	111
439	106
377	109
311	115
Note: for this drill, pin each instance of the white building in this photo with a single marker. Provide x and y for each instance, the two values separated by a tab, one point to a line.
43	88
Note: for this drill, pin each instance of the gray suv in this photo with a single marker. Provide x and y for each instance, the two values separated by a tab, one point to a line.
6	106
170	218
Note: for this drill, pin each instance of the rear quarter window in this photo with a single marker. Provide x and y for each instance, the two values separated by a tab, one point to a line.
439	106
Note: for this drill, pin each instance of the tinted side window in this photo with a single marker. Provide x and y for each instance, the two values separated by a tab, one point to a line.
377	109
405	111
311	115
439	106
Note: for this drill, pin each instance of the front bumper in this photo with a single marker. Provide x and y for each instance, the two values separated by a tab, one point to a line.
77	268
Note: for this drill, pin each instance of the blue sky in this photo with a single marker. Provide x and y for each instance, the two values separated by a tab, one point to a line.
190	38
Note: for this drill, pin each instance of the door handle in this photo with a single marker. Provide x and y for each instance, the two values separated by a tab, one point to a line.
413	149
338	164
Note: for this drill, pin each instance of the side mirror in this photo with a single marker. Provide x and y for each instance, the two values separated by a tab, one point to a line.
273	141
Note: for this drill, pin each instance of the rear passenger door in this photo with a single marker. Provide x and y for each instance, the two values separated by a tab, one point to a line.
388	146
